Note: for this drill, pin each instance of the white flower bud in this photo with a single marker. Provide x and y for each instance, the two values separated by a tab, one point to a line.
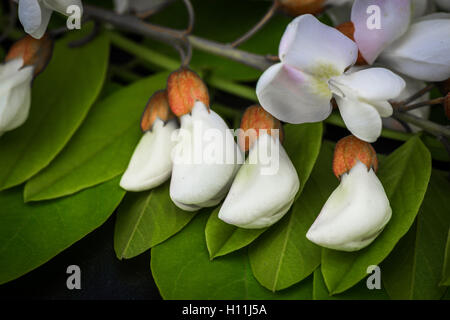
15	94
355	213
264	188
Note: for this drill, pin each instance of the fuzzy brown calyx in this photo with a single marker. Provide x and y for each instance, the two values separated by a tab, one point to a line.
184	88
297	7
349	151
157	107
254	120
34	52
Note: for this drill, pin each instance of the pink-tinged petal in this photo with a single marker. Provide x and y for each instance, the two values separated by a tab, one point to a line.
293	96
316	48
361	119
373	83
394	18
423	52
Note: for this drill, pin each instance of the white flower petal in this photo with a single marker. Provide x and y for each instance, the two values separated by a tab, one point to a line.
355	213
293	96
34	17
15	94
151	163
62	5
258	199
372	84
423	52
394	20
206	160
316	48
361	119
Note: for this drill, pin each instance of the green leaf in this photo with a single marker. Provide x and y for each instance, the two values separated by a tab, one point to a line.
358	292
145	219
446	269
283	255
223	238
182	270
302	143
101	148
32	234
404	174
414	268
61	98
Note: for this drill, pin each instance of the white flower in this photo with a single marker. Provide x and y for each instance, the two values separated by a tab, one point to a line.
355	213
15	94
424	51
258	199
201	174
151	163
139	6
313	60
35	14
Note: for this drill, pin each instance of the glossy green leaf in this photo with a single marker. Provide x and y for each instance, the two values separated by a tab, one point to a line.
32	234
145	219
61	98
223	238
101	148
358	292
446	268
414	268
283	255
404	174
302	143
182	270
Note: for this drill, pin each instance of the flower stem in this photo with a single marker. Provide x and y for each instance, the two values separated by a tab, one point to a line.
410	107
429	126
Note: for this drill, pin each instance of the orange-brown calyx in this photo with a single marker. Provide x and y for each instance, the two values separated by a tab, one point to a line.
444	86
349	151
157	107
297	7
348	29
256	121
34	52
184	88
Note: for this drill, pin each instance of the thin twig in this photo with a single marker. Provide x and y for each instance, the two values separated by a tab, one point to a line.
12	20
261	23
188	57
191	15
429	126
410	107
418	94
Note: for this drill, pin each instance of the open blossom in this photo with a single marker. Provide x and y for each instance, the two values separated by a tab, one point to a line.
358	209
151	163
314	58
35	14
205	157
424	51
266	184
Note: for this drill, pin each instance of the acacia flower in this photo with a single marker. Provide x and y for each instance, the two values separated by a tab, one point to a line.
314	58
358	209
424	51
26	58
35	14
151	163
260	196
206	157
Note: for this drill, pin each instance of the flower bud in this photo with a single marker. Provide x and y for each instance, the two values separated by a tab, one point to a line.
349	151
184	88
34	52
157	107
297	7
255	117
348	29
